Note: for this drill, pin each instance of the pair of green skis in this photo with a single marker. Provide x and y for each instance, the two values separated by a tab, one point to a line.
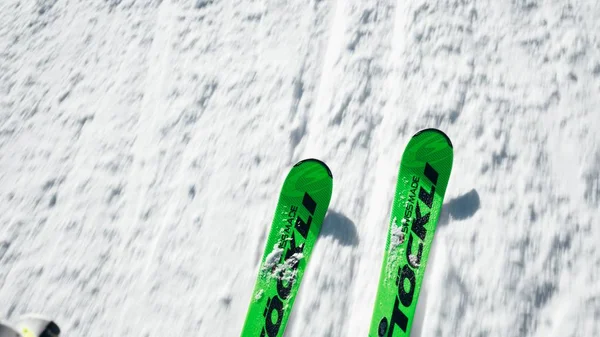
304	199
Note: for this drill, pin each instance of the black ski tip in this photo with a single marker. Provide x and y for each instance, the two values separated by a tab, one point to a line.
316	161
53	328
438	131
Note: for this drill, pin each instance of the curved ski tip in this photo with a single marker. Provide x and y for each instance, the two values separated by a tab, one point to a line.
38	325
438	131
316	161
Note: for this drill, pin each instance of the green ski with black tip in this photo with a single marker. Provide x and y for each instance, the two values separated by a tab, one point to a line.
422	180
301	209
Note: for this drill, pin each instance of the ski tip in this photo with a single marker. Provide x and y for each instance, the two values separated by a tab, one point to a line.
316	161
438	131
37	325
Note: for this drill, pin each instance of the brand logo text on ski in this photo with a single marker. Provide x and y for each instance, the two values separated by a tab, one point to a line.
275	308
406	273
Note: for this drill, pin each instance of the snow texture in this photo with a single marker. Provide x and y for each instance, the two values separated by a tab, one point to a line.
397	234
143	144
273	258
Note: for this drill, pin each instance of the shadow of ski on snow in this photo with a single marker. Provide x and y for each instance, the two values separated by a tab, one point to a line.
460	208
341	228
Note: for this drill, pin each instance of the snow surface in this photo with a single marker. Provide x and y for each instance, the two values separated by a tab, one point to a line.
143	145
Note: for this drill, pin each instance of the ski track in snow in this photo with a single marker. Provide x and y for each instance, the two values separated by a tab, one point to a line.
143	145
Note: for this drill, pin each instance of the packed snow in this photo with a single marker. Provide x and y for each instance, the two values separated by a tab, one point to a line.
143	144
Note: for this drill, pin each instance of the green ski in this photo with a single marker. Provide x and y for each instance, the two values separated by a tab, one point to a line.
424	173
301	209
